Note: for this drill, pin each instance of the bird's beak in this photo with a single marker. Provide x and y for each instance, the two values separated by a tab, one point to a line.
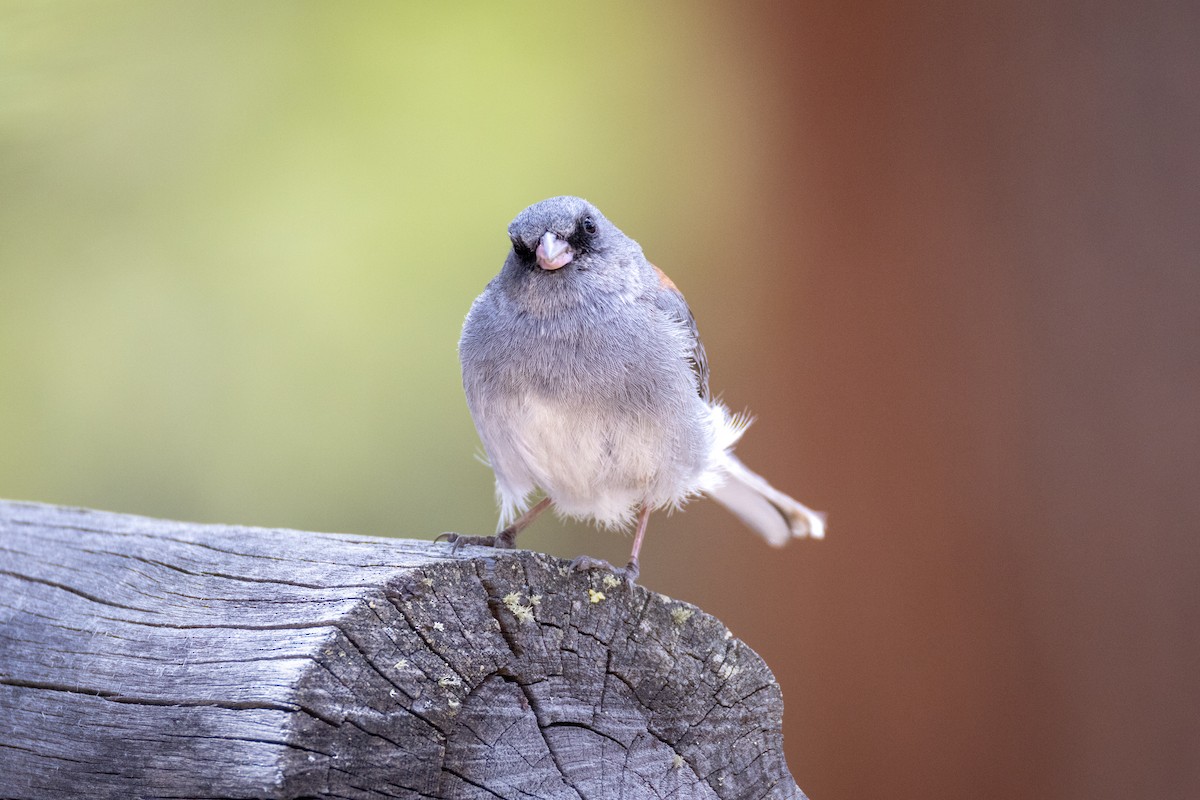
553	252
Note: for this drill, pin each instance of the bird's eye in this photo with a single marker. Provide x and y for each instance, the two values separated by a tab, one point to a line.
589	225
520	248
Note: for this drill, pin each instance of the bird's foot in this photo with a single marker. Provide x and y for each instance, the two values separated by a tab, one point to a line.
628	574
504	540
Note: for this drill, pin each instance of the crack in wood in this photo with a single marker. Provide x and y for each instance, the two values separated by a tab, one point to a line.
539	716
476	784
430	645
71	590
494	603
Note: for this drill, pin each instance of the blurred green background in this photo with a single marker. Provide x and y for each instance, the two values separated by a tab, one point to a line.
945	252
238	239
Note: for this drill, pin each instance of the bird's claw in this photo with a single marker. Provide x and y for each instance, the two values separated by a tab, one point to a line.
628	574
457	540
505	540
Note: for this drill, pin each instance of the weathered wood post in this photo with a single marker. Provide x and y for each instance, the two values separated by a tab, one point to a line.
144	658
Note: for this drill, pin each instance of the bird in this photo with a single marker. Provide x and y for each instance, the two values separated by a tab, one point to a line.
587	381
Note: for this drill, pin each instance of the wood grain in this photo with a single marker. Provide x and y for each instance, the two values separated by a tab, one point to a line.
145	658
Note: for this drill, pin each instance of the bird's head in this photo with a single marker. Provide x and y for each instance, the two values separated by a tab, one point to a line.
565	245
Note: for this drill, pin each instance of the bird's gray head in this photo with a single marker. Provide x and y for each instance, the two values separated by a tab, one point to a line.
564	246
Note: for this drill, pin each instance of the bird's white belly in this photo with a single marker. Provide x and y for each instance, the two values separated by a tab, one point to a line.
592	464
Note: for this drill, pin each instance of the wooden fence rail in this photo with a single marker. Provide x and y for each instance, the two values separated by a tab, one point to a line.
144	658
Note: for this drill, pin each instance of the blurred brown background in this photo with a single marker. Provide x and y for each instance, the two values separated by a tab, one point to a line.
987	358
947	255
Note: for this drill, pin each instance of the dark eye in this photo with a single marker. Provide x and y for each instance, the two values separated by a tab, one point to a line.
519	248
589	226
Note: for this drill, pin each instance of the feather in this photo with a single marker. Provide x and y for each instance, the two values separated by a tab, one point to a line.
770	512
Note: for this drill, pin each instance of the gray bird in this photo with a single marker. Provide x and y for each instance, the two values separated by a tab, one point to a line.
586	379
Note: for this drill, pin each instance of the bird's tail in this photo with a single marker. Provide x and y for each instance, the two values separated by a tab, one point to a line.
764	508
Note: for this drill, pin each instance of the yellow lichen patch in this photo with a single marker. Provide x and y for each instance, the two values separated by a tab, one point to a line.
595	596
524	613
611	581
681	615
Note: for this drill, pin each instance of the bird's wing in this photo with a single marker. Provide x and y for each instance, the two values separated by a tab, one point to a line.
671	301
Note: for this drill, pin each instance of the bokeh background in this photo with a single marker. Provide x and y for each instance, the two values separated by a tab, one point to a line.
947	253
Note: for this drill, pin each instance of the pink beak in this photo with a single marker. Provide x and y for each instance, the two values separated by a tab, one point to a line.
553	252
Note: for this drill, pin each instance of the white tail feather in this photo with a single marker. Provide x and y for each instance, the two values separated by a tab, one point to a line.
764	508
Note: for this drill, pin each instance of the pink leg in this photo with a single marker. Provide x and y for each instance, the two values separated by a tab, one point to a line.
630	573
505	539
632	569
508	537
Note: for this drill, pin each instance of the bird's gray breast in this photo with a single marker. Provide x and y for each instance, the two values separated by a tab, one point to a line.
618	352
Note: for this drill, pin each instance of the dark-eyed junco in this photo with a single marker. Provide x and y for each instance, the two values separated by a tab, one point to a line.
586	379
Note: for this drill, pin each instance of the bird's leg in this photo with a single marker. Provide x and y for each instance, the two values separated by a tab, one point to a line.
505	539
632	570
